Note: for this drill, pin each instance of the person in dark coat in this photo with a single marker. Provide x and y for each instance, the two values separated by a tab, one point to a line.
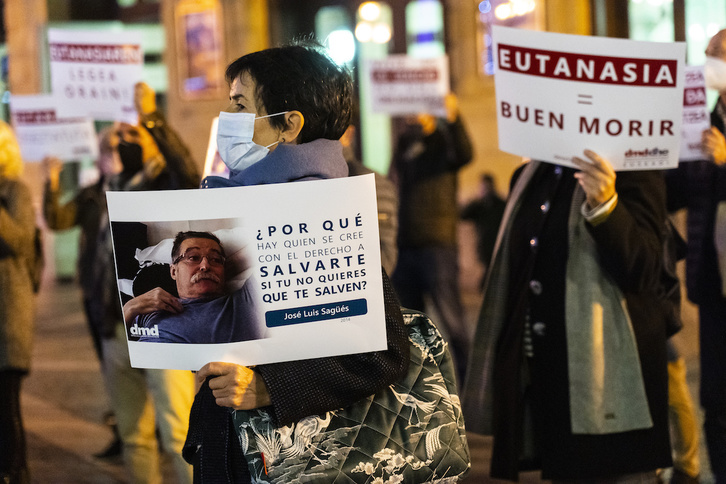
302	103
425	167
485	213
568	368
700	187
84	210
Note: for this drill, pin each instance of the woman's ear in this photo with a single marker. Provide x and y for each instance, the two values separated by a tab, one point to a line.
294	122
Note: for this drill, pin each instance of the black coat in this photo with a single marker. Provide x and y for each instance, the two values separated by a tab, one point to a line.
425	168
629	243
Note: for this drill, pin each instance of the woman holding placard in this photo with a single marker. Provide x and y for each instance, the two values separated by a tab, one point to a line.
289	107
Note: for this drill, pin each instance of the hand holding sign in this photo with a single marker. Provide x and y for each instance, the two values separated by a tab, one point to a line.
144	99
451	102
53	167
596	177
234	386
714	145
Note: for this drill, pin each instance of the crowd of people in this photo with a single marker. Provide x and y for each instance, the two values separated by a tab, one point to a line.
570	368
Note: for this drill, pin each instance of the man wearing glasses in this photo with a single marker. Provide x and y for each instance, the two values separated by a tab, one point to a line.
204	312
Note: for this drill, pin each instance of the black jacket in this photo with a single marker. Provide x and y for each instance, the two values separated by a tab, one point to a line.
629	243
425	168
699	186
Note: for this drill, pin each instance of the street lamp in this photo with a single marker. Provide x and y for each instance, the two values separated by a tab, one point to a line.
374	23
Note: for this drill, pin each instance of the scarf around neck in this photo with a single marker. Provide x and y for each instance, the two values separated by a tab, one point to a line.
317	160
607	393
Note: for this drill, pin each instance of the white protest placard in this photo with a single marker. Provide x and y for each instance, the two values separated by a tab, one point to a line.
696	118
560	94
41	132
93	73
402	85
303	261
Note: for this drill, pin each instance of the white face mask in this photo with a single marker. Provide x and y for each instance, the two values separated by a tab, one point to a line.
234	140
714	70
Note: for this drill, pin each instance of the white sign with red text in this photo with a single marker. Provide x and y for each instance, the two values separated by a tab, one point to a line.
402	85
41	132
560	94
93	73
696	118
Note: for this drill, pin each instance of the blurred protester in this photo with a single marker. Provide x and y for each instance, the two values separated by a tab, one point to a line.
700	187
86	210
568	368
142	399
17	305
426	161
386	197
179	168
486	213
298	119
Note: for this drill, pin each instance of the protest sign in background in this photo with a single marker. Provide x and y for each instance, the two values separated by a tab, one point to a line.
402	85
315	256
696	117
41	132
559	94
93	73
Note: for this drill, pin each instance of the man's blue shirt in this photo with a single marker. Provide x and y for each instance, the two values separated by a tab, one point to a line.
224	319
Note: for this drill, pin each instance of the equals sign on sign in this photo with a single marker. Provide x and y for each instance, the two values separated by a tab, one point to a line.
584	99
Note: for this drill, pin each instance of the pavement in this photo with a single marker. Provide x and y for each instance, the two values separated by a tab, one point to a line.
63	401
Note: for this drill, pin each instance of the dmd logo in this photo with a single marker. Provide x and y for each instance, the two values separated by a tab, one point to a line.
645	158
136	331
646	153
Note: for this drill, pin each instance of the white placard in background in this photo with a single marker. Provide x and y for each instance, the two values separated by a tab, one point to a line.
696	118
93	73
42	133
560	94
315	258
402	85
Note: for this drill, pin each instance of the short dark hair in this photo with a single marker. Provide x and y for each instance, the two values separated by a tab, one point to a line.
191	234
300	77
